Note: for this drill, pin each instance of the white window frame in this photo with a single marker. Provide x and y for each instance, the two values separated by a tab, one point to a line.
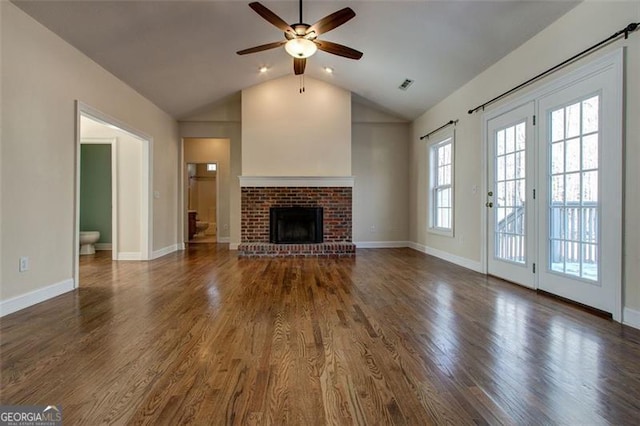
445	137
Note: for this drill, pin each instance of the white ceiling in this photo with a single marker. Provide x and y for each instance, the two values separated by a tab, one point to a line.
181	54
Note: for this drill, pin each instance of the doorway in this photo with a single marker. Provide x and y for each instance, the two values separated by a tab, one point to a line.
202	202
554	187
132	233
99	190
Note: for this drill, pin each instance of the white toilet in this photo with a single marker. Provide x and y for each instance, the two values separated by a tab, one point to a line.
201	226
87	241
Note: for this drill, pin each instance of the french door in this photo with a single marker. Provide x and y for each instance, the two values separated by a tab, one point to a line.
554	201
580	188
511	230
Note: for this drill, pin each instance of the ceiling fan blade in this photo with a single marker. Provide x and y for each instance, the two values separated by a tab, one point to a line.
332	21
298	65
270	16
338	49
261	47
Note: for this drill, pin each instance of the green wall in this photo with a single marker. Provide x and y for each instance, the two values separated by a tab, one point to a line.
95	189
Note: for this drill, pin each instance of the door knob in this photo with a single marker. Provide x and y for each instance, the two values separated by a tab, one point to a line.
489	204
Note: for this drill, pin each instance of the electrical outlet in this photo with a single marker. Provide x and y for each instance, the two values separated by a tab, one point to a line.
225	226
24	264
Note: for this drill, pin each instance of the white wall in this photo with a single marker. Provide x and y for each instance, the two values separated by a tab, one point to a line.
582	27
380	154
210	150
42	77
285	133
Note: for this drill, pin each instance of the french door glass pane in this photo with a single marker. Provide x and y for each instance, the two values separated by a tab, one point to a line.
573	204
510	193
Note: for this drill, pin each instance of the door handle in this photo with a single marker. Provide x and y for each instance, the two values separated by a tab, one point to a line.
489	204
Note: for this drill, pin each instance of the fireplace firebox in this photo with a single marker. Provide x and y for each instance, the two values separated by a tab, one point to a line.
295	225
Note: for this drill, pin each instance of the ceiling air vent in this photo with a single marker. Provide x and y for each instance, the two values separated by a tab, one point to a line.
405	84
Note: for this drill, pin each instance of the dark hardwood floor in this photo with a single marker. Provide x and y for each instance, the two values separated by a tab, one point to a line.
390	337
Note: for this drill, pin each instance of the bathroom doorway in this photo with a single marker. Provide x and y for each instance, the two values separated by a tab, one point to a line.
205	189
131	207
202	202
99	188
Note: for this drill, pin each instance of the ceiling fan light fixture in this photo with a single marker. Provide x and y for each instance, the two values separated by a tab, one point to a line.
300	47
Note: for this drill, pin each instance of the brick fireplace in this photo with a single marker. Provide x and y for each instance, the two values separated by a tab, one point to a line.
334	195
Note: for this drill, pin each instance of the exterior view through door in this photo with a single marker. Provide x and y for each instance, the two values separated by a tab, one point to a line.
554	196
510	196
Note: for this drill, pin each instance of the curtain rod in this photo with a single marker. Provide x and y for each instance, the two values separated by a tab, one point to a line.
449	123
626	31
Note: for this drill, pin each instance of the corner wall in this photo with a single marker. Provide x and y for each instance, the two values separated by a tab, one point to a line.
221	121
380	154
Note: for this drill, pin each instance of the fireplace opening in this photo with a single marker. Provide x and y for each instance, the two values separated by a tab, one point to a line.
295	225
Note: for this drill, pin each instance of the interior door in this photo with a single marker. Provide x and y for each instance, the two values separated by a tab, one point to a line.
580	183
510	212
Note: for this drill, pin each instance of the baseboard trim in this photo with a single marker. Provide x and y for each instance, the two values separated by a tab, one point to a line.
381	244
129	255
102	246
165	251
224	239
458	260
34	297
631	317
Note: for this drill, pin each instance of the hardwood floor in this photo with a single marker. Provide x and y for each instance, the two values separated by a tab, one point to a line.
390	337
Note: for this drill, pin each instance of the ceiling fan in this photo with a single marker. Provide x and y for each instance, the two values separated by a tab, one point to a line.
301	39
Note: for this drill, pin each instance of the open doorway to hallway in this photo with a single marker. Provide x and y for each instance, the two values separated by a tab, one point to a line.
206	189
112	197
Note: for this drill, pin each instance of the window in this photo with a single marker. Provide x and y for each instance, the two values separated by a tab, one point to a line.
441	157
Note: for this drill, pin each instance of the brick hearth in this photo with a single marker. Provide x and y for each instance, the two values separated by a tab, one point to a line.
337	205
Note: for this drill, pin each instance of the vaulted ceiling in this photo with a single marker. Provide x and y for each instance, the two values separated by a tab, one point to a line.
181	54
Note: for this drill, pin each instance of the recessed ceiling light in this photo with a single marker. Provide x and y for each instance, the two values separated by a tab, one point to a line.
329	70
263	69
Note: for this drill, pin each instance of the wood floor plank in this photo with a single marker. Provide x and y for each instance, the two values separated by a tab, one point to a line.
392	336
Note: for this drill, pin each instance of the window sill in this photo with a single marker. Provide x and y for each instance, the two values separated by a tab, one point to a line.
441	232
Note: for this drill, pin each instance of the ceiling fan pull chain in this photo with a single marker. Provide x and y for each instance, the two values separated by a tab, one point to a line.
301	83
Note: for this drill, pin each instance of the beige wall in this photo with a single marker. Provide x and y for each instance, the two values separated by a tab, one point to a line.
42	77
583	26
380	154
209	150
285	133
